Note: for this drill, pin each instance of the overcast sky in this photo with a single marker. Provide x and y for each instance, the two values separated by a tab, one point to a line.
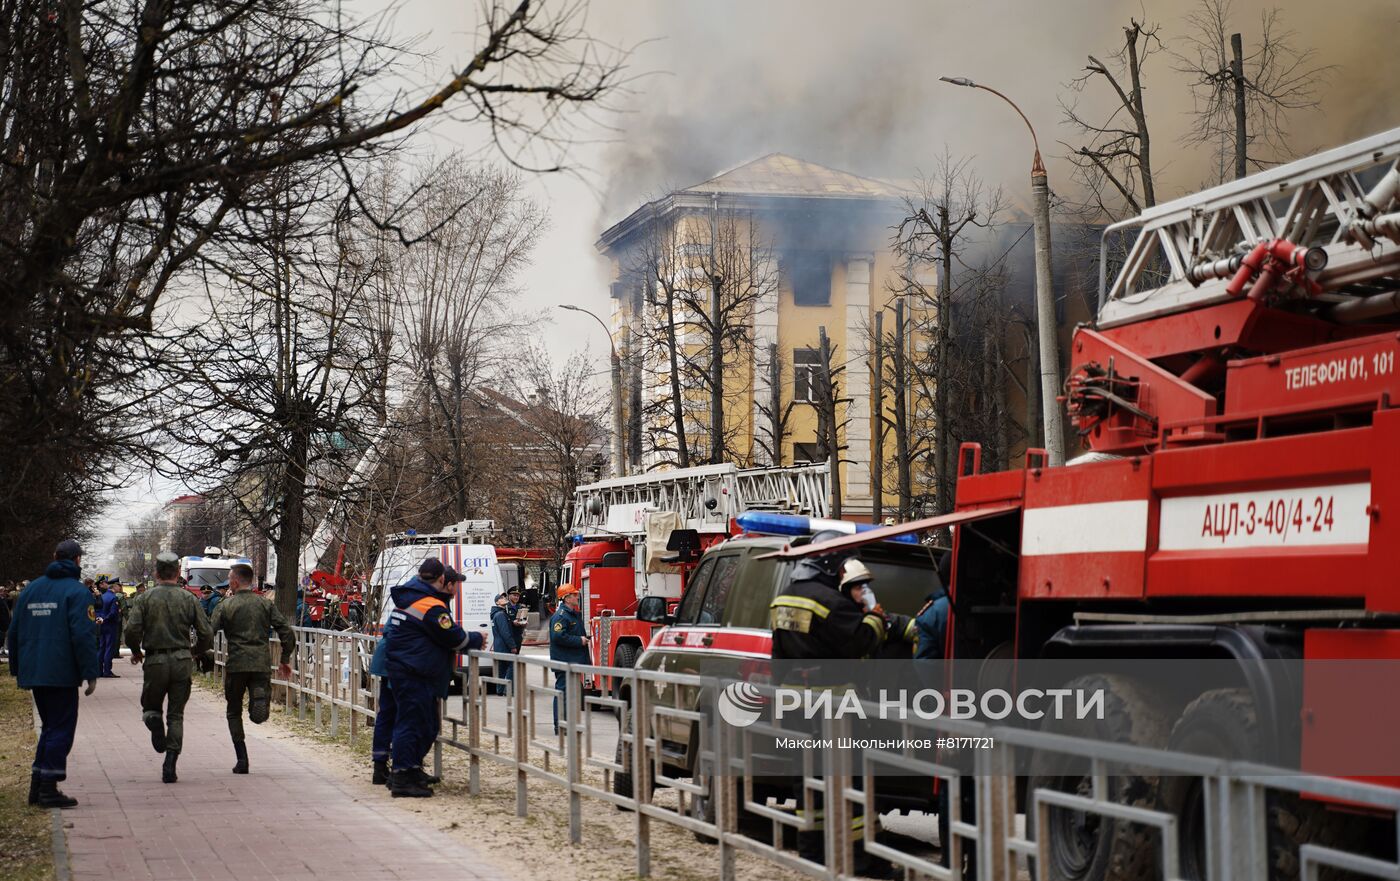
852	85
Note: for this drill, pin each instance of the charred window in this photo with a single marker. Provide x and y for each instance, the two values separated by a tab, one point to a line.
809	274
807	453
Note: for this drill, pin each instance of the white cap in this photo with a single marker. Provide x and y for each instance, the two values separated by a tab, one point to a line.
854	572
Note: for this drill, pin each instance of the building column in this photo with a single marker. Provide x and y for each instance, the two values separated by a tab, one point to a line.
858	500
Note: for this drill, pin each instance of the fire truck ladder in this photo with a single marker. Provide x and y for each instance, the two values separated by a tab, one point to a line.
1333	217
706	496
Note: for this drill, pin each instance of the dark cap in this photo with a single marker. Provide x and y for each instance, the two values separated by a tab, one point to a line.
68	549
513	590
431	569
453	576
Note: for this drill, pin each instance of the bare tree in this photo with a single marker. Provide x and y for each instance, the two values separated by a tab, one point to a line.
1114	159
772	434
704	277
1243	99
133	132
565	422
938	230
477	231
268	410
831	414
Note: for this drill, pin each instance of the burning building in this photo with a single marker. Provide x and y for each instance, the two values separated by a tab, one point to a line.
746	272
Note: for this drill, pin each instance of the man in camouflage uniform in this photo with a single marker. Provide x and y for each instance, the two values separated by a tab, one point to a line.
245	618
161	619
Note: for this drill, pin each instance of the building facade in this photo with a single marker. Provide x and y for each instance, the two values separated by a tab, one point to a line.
762	262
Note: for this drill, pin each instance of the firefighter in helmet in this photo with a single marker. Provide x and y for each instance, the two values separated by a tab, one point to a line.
829	611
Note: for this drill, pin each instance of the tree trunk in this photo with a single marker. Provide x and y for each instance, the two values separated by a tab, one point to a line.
290	525
1139	112
677	404
634	401
877	427
1237	76
716	374
777	432
833	445
901	416
943	440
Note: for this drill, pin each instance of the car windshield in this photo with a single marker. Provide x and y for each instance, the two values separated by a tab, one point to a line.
211	577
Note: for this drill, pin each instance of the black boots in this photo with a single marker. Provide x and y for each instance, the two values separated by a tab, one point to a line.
425	778
381	773
405	784
34	787
157	725
167	771
240	750
50	796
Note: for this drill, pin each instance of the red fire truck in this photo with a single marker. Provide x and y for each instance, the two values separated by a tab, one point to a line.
1237	495
623	526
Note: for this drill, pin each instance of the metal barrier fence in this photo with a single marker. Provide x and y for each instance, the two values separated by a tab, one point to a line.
331	678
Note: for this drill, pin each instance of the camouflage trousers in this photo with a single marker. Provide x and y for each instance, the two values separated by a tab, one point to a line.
259	689
165	688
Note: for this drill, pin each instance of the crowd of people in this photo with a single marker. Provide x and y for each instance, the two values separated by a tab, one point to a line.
64	633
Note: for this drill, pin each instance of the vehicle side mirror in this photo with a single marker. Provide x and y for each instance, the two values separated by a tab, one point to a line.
652	610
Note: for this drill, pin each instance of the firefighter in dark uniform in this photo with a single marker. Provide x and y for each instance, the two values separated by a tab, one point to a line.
828	611
52	643
568	641
421	650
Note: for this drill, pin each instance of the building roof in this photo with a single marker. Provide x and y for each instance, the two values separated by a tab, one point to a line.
756	184
779	174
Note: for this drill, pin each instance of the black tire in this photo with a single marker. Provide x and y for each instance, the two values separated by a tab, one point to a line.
1084	847
622	780
1295	821
1221	723
703	808
625	657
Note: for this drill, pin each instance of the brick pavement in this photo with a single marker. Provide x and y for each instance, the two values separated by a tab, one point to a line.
284	822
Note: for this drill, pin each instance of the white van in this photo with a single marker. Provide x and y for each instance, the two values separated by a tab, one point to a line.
210	568
471	606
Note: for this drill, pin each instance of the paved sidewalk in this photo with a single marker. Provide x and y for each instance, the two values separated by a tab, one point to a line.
285	821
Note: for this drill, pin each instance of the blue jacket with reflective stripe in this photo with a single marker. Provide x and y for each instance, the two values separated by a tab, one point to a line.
423	641
53	632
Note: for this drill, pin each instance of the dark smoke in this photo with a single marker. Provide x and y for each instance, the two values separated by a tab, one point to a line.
854	85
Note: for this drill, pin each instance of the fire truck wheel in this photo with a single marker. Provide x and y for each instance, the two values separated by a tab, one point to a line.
1085	846
622	755
626	658
1295	821
1221	723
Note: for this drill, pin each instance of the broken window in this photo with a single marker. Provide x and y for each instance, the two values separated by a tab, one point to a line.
809	274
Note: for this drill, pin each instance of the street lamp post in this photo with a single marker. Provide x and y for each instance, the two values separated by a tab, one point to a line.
1044	290
618	465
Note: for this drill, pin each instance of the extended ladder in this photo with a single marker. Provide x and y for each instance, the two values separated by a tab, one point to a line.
1341	202
706	497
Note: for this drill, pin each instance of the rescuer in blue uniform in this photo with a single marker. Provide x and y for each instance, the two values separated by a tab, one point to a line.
109	633
568	640
420	651
53	649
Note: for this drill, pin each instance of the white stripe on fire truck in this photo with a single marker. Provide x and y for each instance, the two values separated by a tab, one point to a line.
1092	528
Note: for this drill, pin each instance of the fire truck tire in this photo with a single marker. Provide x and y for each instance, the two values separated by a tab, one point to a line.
624	657
1085	847
1295	821
622	780
1221	723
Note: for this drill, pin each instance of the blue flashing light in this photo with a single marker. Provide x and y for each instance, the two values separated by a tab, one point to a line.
767	523
410	532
